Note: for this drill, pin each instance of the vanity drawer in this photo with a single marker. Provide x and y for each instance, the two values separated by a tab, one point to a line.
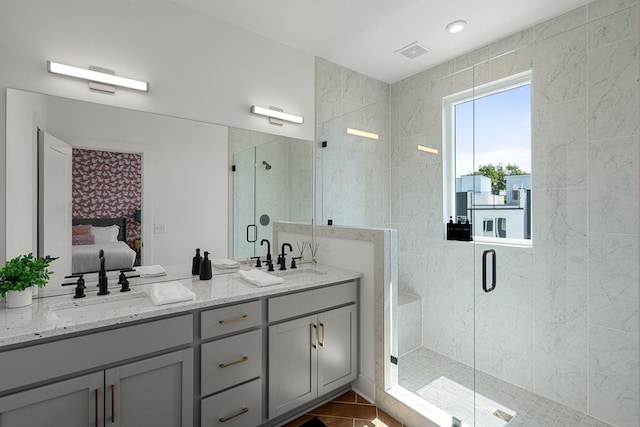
46	361
230	361
238	407
304	303
233	318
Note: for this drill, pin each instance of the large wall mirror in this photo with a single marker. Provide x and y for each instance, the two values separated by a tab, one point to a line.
169	179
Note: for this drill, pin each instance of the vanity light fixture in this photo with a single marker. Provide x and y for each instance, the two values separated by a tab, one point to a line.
456	26
97	76
362	133
276	115
427	149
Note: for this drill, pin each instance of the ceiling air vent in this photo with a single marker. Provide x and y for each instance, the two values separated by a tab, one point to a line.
413	50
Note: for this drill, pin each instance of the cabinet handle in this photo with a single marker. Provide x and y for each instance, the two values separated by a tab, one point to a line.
236	319
322	342
243	411
113	403
96	406
315	342
226	365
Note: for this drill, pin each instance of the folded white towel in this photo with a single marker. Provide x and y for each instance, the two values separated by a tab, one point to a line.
224	263
151	270
169	292
260	278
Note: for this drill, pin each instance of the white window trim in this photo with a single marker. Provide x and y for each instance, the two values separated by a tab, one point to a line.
448	150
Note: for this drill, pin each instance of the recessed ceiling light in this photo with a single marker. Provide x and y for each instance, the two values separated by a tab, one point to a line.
456	26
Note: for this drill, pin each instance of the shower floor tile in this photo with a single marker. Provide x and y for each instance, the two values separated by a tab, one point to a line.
423	366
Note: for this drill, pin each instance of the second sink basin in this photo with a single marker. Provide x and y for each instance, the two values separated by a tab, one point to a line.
95	308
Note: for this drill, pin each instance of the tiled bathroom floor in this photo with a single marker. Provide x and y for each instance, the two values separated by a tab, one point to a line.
422	366
348	410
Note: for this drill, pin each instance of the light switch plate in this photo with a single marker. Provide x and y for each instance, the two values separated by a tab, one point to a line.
159	228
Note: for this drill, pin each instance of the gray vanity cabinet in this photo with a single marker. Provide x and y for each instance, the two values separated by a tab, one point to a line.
77	402
153	392
156	391
312	355
231	371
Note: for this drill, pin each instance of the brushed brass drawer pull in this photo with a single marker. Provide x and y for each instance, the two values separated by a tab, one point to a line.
243	317
226	365
243	411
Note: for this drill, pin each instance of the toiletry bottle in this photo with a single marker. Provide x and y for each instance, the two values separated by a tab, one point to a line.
195	267
205	268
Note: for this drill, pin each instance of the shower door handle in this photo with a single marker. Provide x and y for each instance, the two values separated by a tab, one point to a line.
255	233
493	270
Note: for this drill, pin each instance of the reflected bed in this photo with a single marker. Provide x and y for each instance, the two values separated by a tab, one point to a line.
118	254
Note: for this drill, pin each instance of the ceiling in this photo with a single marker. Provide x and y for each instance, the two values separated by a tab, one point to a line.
364	35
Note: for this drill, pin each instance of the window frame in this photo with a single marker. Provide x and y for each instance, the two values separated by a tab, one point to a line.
449	103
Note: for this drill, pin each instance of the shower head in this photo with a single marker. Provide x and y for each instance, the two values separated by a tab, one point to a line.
267	166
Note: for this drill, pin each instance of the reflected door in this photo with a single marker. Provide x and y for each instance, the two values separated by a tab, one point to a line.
244	182
54	204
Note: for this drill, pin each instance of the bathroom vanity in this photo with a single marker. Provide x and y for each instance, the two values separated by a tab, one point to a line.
237	355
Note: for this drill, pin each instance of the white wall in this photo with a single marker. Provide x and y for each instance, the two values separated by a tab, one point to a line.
197	67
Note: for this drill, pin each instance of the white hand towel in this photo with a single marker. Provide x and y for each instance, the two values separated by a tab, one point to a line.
169	293
224	263
151	270
260	278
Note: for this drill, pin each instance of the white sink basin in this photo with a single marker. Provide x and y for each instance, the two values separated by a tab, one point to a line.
102	307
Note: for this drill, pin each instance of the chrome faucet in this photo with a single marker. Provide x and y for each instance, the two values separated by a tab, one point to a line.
283	261
102	276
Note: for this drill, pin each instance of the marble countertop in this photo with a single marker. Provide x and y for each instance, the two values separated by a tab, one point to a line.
39	320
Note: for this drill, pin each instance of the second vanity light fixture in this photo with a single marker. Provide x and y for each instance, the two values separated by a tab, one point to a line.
104	77
276	115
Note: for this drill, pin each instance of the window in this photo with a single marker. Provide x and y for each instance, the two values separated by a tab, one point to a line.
487	159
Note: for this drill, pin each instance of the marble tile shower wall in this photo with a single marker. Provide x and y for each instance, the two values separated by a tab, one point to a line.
352	171
564	323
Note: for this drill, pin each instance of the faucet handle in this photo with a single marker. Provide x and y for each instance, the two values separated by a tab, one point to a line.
123	279
78	283
293	261
258	262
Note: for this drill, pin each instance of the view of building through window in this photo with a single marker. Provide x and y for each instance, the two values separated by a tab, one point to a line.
492	146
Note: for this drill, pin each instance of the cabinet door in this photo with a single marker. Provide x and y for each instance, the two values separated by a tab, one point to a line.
77	402
292	364
153	392
337	348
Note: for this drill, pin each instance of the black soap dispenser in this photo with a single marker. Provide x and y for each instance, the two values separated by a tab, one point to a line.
195	267
205	268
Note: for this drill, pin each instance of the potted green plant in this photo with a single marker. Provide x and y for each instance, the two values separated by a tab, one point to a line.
19	275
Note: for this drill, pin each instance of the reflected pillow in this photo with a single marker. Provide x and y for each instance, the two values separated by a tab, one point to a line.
79	230
105	234
83	239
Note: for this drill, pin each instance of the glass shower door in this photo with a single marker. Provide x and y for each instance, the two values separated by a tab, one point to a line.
244	182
